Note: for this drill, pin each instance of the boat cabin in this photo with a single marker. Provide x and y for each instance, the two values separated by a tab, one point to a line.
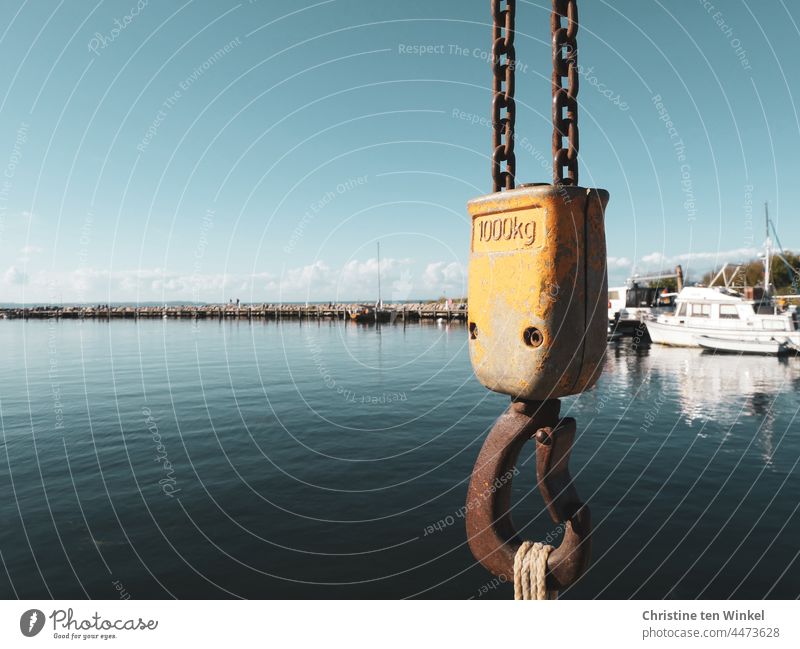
700	307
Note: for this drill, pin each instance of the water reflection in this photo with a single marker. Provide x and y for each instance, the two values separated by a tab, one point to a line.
723	388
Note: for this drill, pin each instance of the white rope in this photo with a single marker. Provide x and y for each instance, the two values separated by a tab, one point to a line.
530	571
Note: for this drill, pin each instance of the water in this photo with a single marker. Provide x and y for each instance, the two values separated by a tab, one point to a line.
289	460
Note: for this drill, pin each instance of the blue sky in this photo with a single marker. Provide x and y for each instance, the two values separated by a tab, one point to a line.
259	150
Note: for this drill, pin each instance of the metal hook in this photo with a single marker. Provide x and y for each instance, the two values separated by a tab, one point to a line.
491	533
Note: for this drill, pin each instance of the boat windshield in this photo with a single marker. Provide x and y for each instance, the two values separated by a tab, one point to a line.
641	296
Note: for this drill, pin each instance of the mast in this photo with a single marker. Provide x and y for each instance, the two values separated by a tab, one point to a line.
379	276
767	255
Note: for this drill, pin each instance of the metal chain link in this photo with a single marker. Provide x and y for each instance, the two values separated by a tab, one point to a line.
503	64
565	99
565	64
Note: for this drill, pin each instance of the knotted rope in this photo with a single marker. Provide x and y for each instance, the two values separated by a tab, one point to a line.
530	571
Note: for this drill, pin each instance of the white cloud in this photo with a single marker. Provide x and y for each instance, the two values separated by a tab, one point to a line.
654	259
443	277
358	280
402	288
619	262
401	279
659	259
30	250
15	276
320	281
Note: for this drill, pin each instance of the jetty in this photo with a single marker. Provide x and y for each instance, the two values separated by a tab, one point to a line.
414	311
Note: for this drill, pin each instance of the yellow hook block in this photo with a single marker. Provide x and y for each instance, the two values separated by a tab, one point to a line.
538	290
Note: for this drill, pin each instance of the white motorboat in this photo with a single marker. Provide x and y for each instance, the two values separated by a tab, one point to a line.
719	317
723	315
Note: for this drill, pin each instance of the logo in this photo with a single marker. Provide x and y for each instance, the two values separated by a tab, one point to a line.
31	622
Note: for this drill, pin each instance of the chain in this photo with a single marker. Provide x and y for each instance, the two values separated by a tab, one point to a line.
565	100
503	64
565	64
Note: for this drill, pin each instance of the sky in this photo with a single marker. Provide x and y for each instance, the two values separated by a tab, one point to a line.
259	150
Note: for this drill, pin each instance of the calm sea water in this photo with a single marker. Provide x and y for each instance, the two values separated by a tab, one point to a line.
271	460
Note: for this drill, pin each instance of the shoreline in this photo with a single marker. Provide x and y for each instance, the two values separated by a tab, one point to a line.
406	311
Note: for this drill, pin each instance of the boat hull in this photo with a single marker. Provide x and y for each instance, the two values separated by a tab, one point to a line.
367	317
770	348
688	336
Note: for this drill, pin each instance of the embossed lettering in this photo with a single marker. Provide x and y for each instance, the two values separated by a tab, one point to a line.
516	231
530	233
508	228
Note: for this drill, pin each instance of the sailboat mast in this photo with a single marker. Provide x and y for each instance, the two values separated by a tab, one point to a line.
379	275
767	255
766	215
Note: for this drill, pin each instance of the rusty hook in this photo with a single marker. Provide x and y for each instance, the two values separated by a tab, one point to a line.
492	537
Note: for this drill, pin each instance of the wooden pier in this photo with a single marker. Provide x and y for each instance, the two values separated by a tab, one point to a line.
403	312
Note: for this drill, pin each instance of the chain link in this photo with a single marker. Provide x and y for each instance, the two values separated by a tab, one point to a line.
503	64
565	99
565	64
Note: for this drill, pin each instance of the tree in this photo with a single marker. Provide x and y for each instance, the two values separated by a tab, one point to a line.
669	284
752	274
784	278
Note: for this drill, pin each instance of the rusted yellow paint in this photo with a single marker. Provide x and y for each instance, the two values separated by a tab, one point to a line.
538	260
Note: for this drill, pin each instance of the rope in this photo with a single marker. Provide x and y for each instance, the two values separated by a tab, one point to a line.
530	572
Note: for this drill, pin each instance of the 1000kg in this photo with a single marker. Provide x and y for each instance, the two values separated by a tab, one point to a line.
508	228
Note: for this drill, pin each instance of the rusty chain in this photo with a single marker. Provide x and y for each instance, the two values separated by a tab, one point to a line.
565	99
565	64
503	64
